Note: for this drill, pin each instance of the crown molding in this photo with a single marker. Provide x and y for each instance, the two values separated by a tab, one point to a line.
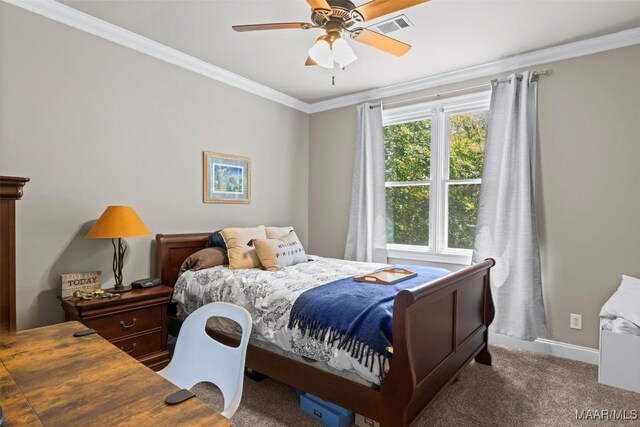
530	59
90	24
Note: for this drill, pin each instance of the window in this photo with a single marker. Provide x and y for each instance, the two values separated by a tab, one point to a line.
433	170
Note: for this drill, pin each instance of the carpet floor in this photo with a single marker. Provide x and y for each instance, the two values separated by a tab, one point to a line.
520	389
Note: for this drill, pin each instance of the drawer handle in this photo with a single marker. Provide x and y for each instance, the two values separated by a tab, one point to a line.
133	348
123	326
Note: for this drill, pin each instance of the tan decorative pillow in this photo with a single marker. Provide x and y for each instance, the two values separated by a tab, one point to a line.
205	258
277	232
275	254
241	254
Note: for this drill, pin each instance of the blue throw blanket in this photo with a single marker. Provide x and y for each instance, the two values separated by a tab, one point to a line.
355	316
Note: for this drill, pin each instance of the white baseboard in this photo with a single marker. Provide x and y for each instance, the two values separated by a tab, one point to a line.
553	348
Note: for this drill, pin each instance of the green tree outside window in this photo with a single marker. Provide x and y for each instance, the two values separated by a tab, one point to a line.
407	170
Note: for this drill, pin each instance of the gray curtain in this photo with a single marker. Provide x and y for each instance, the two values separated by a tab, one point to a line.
506	228
366	237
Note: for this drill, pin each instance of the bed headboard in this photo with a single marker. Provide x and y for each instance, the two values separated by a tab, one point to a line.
172	250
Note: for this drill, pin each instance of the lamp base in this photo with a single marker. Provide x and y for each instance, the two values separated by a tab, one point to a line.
118	289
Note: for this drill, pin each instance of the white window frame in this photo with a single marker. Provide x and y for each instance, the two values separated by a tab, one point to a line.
439	112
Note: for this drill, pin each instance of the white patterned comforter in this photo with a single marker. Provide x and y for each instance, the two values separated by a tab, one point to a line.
269	296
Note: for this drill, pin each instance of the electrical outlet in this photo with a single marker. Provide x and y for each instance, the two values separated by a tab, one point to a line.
575	321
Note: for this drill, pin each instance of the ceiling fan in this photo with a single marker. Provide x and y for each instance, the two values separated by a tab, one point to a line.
337	17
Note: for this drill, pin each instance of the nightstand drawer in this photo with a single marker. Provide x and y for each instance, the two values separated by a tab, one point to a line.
140	345
128	322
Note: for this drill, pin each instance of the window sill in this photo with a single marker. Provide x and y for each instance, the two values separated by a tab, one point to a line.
417	253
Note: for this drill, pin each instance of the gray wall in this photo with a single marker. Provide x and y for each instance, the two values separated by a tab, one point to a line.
588	183
331	150
93	123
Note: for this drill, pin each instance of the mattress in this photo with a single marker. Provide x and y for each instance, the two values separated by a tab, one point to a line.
228	327
269	296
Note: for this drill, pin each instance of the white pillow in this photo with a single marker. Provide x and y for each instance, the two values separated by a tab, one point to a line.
630	280
625	302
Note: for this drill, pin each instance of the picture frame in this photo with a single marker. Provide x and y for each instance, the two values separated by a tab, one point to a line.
226	178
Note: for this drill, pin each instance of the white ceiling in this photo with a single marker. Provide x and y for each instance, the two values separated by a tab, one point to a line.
448	35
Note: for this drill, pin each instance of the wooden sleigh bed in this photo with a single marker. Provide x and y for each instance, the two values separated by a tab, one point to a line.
437	329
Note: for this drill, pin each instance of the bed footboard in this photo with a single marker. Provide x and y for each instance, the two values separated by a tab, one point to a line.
437	329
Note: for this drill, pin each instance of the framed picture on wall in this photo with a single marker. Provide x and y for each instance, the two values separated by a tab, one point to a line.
227	179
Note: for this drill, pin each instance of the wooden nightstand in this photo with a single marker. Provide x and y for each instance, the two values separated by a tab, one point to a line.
135	322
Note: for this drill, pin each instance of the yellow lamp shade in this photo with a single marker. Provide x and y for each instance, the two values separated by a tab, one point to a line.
116	222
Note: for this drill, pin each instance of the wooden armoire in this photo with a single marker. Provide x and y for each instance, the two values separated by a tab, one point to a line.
10	190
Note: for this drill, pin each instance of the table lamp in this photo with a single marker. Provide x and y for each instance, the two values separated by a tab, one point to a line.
118	222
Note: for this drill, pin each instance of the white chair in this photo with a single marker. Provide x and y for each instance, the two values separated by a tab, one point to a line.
198	357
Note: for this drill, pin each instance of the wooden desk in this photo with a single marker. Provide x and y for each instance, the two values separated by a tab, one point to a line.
49	377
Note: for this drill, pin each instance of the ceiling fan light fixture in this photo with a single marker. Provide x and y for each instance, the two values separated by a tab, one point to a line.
342	53
321	53
337	17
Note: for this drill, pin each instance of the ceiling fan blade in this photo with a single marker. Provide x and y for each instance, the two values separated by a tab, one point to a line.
319	5
377	8
310	62
274	26
382	42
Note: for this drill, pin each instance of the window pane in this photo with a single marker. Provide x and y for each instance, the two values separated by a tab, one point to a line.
463	210
407	149
467	137
408	215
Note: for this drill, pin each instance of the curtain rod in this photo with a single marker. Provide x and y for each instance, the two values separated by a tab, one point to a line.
535	74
